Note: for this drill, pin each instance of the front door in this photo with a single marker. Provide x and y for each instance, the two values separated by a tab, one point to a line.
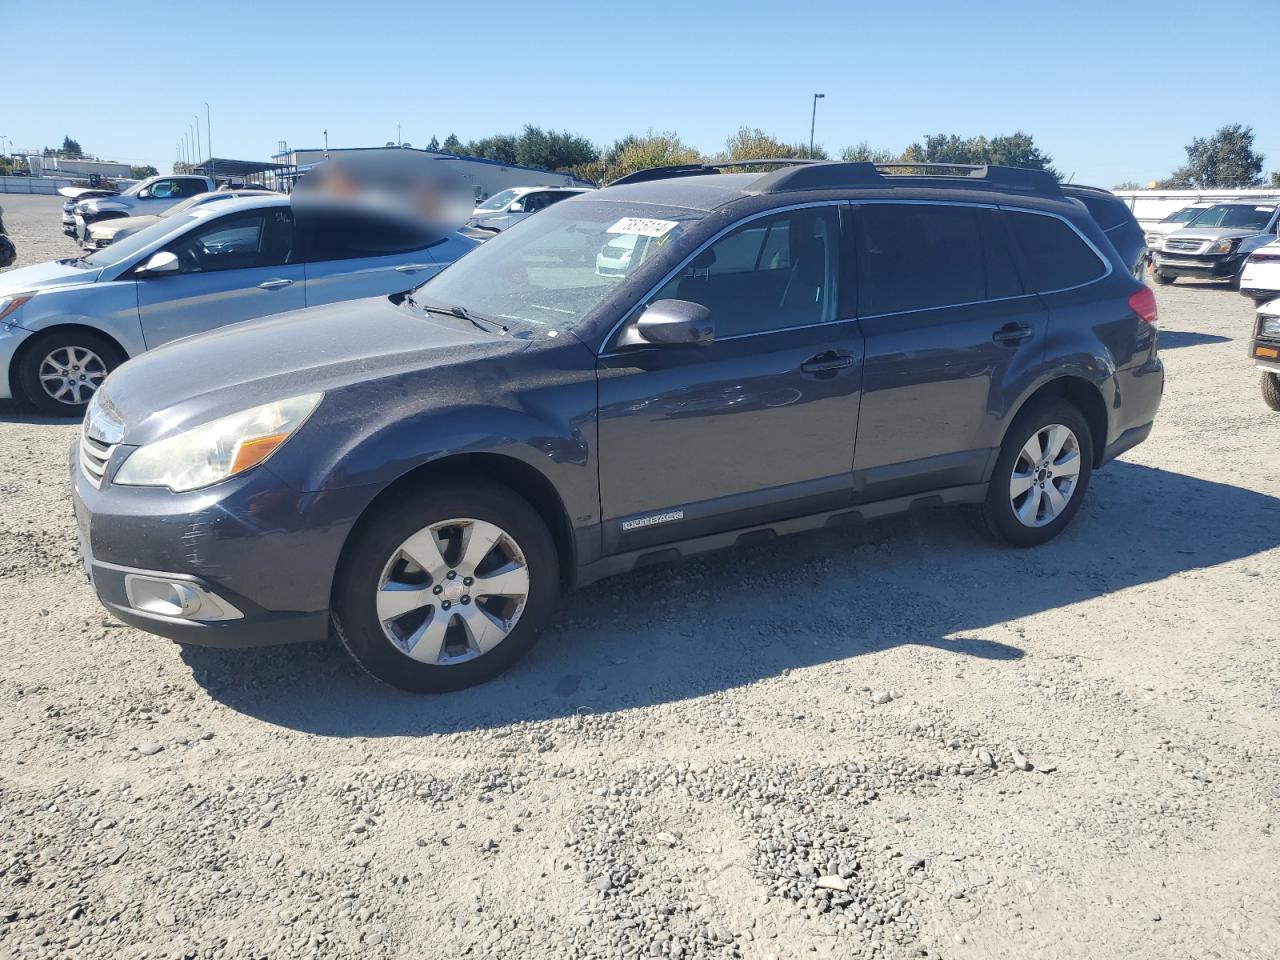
360	253
231	268
948	327
756	426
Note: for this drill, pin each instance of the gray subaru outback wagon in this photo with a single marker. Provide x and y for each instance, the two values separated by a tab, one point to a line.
427	472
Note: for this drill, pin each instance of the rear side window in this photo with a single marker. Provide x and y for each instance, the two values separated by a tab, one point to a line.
353	235
1057	256
1107	212
920	256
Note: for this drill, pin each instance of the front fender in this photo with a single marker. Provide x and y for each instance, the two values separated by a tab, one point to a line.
110	307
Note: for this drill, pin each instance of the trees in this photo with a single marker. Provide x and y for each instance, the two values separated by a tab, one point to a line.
1017	149
652	150
752	143
1226	159
71	148
141	173
452	144
552	150
867	154
433	145
500	147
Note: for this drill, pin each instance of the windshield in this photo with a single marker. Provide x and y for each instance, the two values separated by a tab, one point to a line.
1183	215
130	245
559	265
498	200
1237	216
133	191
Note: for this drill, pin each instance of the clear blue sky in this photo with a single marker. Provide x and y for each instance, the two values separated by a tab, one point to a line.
1113	91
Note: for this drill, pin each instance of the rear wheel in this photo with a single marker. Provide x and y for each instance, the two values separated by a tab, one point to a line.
61	370
445	587
1271	390
1041	475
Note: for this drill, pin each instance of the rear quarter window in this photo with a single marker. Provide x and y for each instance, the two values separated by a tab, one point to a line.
1056	255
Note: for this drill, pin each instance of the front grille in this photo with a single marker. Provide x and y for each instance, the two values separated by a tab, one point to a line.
1187	246
94	457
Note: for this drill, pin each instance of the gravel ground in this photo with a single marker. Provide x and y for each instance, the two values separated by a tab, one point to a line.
895	742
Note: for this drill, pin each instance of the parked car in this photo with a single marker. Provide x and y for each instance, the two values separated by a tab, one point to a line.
154	195
1265	351
1216	244
1117	221
8	252
1175	221
65	325
430	471
73	195
511	206
103	233
1260	276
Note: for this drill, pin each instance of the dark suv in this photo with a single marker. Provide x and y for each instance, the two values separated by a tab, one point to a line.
428	472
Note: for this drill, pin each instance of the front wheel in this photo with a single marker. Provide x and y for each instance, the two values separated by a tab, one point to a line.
1271	390
1164	279
61	370
1041	475
445	587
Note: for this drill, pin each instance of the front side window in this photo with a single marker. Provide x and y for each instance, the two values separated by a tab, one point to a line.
261	238
330	234
920	256
1057	256
772	273
163	189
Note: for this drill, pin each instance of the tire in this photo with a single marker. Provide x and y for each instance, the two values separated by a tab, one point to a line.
1271	390
1164	280
1000	511
457	641
49	354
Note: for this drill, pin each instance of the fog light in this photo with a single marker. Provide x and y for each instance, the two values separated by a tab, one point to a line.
179	599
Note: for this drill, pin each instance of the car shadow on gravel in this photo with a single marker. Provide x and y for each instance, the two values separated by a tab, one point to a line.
1173	339
14	411
734	618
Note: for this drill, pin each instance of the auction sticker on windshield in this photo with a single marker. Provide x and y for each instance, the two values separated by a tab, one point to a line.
643	227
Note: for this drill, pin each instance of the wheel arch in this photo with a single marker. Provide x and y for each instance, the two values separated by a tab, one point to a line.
1085	395
518	476
25	348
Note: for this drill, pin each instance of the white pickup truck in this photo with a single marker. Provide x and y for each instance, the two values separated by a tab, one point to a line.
84	206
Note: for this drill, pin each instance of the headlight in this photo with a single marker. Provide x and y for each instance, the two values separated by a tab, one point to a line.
1223	246
9	305
1270	327
216	450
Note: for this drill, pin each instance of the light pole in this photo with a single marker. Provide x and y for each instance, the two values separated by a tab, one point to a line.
326	144
813	119
208	136
397	133
199	152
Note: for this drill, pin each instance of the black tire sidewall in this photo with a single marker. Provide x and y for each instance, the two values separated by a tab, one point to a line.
39	347
1271	390
998	509
1164	280
371	545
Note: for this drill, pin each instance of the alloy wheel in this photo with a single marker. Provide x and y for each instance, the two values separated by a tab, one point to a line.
453	591
72	374
1045	475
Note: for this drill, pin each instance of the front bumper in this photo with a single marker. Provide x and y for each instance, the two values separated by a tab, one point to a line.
258	546
1265	354
1205	267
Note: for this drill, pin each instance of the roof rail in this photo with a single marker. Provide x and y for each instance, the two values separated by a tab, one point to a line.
833	175
699	169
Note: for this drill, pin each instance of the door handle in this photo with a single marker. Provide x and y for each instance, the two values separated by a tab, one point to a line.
412	267
275	284
827	362
1012	333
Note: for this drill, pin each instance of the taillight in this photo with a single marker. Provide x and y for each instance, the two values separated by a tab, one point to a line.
1143	303
1263	257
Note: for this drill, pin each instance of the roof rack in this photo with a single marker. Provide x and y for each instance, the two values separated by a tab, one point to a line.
700	169
827	174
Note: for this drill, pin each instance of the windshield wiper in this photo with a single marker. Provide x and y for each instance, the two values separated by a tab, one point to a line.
462	313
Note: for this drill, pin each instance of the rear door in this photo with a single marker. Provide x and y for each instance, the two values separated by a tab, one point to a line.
352	254
948	325
231	268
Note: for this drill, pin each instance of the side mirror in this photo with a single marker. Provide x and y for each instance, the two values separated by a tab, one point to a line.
516	207
144	194
162	262
672	322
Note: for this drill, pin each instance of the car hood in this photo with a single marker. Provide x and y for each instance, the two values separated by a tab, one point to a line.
110	228
84	193
55	273
192	381
1212	233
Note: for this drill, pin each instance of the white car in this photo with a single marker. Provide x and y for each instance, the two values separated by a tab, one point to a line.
1260	278
511	206
106	232
1174	221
